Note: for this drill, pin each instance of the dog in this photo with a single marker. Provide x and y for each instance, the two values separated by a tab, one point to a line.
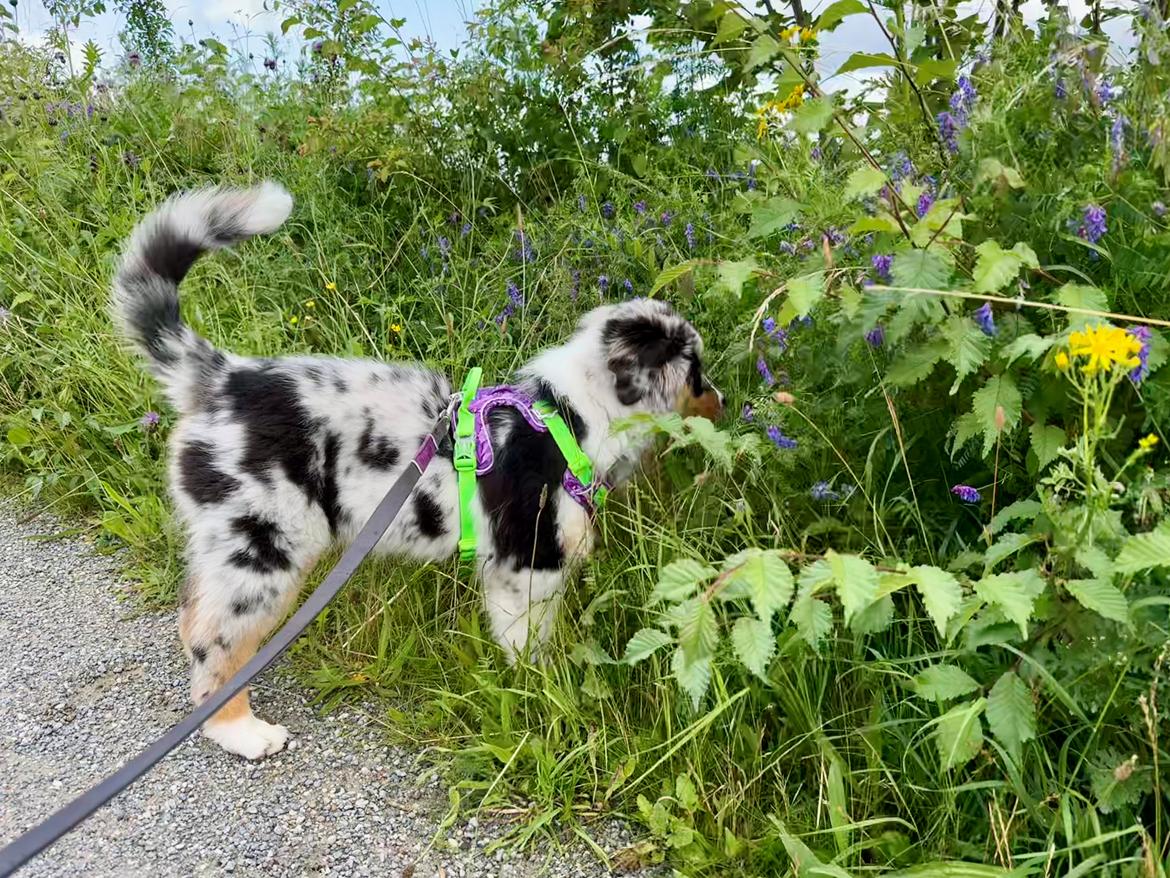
274	460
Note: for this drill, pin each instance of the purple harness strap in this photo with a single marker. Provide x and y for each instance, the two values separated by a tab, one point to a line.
489	398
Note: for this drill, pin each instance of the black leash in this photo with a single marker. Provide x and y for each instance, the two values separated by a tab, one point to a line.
25	847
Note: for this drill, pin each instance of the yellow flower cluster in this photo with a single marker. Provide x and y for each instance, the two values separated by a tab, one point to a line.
1102	348
1148	442
771	109
803	34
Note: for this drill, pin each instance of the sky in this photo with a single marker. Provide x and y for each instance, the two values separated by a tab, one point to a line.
244	24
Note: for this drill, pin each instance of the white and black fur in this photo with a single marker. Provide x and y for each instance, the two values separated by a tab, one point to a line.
275	460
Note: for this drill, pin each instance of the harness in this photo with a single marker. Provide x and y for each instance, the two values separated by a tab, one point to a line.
474	455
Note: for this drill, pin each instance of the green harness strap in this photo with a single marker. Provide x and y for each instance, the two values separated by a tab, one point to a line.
465	464
576	460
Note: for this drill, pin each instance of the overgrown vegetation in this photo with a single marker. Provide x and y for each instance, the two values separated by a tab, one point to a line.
905	607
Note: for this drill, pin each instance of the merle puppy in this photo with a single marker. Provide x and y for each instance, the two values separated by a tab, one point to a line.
275	460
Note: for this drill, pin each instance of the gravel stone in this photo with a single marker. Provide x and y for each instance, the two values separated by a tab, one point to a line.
88	678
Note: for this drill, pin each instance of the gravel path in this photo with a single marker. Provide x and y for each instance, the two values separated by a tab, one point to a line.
87	679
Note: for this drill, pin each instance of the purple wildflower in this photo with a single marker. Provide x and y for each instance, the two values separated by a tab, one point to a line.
925	203
575	288
785	443
966	493
1159	209
751	183
882	263
822	491
765	372
639	207
514	294
1093	226
269	63
466	230
788	248
948	129
777	333
1142	369
318	46
963	99
836	236
607	210
985	319
582	203
748	414
524	253
689	231
1106	93
901	167
1117	141
1061	90
444	245
667	218
134	58
602	286
628	285
815	154
131	160
876	337
149	421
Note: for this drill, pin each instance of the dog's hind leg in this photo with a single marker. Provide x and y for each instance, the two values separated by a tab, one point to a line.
222	622
521	606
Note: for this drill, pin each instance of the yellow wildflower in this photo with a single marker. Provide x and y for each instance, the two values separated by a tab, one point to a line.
788	33
807	34
771	109
1062	361
293	320
395	327
312	303
1104	347
331	286
1148	442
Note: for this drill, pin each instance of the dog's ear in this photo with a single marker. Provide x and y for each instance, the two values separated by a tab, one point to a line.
637	348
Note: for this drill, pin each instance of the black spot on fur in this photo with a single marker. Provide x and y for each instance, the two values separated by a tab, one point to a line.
200	479
429	515
638	346
199	653
314	375
528	464
279	432
222	643
376	452
246	606
169	255
262	554
339	384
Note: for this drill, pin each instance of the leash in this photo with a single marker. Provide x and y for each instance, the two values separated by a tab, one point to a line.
26	846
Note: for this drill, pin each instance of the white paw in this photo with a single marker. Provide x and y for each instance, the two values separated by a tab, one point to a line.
248	736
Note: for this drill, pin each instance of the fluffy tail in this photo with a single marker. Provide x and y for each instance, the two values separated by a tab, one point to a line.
161	250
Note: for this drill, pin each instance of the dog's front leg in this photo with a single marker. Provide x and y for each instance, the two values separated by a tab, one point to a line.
521	606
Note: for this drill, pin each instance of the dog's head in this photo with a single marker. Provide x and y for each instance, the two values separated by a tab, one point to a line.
654	358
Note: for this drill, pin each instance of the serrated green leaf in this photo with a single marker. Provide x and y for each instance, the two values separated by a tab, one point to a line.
941	594
943	682
920	269
767	578
813	115
1102	597
969	347
1006	546
864	182
685	792
1047	440
754	644
772	215
935	68
916	364
1014	593
959	734
1011	715
813	619
679	579
670	275
644	643
999	174
764	49
1028	345
856	581
1000	391
731	25
945	218
733	275
692	677
1013	512
832	15
698	629
882	222
1146	551
715	442
995	267
875	618
814	577
863	60
805	291
967	427
1085	297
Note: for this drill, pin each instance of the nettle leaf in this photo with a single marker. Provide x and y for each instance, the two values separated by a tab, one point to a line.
941	594
679	579
1102	597
864	182
1000	391
1013	593
731	25
804	292
999	174
772	215
856	581
767	578
943	219
1084	297
969	347
698	629
1006	546
754	644
733	275
1013	512
693	677
1011	715
882	222
995	267
839	10
814	577
920	269
914	309
1047	440
959	735
715	442
943	682
670	275
1146	551
967	427
644	643
862	60
763	50
875	618
916	363
813	619
813	115
1028	345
